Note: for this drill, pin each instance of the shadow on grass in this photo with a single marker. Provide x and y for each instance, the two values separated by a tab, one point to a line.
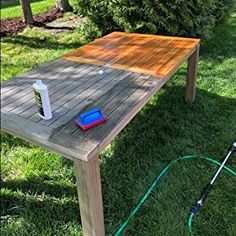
38	209
40	185
12	141
35	42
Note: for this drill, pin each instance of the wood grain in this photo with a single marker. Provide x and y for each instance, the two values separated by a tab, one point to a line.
190	92
88	182
152	54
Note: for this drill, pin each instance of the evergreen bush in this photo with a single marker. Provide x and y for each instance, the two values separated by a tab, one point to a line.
171	17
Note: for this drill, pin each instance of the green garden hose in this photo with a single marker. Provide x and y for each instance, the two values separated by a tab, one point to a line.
147	193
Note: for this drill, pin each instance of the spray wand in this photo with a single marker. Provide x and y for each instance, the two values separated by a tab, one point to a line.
209	186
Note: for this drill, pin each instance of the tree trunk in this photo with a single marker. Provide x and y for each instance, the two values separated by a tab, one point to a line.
27	16
63	5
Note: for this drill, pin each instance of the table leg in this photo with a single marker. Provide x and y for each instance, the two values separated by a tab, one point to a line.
190	92
90	196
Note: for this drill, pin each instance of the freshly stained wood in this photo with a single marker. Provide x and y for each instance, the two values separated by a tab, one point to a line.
158	55
134	68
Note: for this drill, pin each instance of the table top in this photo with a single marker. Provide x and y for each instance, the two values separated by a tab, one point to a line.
151	54
75	85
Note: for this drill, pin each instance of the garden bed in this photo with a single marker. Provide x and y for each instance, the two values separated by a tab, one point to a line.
15	25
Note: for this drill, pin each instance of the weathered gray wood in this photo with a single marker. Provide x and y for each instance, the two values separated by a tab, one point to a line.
190	92
56	90
131	101
91	98
88	183
66	107
93	82
120	119
23	90
25	78
42	136
100	101
115	100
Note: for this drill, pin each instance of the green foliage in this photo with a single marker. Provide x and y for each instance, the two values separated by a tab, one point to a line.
175	17
88	30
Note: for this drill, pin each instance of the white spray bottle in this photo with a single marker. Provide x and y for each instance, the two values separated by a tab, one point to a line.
42	100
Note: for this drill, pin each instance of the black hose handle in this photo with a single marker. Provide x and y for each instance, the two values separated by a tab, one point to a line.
202	199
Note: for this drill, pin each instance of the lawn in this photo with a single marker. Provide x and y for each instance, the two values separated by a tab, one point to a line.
39	195
12	8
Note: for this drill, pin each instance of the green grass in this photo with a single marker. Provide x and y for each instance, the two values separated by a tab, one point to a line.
39	195
12	8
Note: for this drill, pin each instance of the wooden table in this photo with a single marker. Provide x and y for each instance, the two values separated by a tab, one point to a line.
134	68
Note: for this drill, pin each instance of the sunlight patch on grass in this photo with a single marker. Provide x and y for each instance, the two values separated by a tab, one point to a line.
13	8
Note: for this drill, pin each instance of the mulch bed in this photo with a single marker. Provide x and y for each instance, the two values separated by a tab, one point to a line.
15	25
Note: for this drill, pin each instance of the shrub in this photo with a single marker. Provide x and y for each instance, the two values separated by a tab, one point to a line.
173	17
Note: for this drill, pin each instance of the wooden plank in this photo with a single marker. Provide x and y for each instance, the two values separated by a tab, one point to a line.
19	102
174	64
114	51
120	52
63	110
158	54
42	136
57	91
145	50
106	49
181	55
21	90
90	79
156	61
79	138
190	92
101	44
112	97
117	100
88	182
156	48
126	50
117	34
83	56
138	63
25	78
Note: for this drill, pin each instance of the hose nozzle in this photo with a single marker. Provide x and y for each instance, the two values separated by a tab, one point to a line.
233	147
